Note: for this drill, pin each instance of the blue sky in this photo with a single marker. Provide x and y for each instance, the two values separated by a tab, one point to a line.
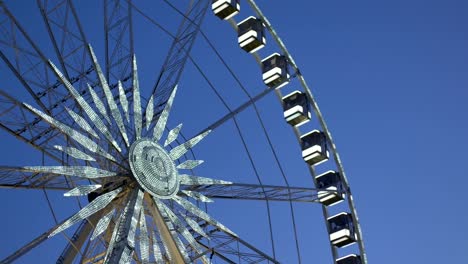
391	80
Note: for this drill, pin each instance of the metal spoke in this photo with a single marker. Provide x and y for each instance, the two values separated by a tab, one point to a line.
240	191
230	248
12	178
29	65
236	111
23	124
79	238
179	51
118	37
31	245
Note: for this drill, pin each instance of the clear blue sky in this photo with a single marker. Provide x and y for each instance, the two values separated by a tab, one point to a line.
391	78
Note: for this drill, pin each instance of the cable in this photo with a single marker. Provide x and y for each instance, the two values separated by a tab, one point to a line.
210	84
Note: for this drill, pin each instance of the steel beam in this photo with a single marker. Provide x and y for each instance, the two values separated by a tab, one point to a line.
78	239
14	178
31	245
21	123
230	248
240	191
164	231
179	52
29	64
118	35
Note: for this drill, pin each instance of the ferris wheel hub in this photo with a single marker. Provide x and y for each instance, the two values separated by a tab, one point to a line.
153	168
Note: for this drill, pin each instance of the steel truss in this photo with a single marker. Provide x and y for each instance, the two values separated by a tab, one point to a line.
178	54
118	35
11	178
230	249
239	191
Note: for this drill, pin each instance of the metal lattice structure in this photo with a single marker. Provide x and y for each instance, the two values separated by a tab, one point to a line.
110	142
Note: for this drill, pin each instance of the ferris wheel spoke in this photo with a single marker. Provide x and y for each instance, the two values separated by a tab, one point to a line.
75	153
102	225
236	111
129	238
98	204
137	114
144	238
78	171
179	51
71	51
172	135
181	229
175	249
97	121
180	150
123	101
241	191
21	123
118	242
19	54
110	98
82	190
28	63
118	36
18	178
31	245
82	122
195	180
77	136
230	248
202	214
79	238
157	253
197	196
162	120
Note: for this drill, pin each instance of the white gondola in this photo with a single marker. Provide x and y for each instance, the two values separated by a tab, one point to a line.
342	230
251	34
275	70
331	188
314	147
225	9
349	259
296	108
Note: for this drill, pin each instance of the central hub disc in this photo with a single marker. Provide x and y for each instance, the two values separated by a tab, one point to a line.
153	168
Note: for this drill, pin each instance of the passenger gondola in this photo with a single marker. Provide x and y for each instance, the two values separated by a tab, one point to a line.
342	232
331	188
314	147
296	108
275	70
251	34
225	9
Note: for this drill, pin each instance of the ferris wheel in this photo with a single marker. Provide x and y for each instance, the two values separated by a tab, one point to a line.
181	168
